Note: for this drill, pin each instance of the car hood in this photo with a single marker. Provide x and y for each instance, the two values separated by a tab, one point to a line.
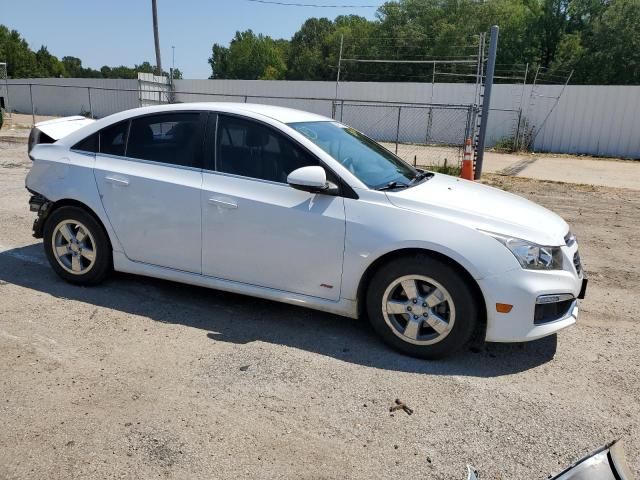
482	207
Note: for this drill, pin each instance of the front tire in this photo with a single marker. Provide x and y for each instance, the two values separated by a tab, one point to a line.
422	306
77	246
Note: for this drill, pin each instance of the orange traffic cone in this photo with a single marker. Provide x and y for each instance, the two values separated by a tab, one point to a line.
467	161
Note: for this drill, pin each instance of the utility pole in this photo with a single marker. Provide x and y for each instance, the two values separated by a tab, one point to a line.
486	100
156	37
173	64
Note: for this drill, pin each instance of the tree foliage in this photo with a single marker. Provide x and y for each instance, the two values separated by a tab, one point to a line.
598	39
22	62
250	56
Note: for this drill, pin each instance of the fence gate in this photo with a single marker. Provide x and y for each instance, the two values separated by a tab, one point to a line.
154	89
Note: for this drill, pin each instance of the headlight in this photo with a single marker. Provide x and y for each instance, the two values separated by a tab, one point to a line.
531	255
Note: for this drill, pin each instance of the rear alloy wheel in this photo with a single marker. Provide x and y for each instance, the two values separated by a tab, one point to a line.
76	246
422	306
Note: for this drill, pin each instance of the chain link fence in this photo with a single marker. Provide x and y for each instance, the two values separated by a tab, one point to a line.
421	134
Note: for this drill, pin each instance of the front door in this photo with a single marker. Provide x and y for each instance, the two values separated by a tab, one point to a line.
256	228
149	177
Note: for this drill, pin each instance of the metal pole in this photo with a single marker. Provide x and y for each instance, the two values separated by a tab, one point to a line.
6	83
33	112
341	109
478	75
433	81
339	65
173	64
398	129
156	37
90	107
486	100
482	58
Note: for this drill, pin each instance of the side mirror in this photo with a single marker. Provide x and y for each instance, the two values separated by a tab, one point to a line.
311	179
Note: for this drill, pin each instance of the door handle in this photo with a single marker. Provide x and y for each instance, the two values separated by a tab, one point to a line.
223	203
117	180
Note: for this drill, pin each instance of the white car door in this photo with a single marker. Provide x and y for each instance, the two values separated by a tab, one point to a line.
259	230
149	174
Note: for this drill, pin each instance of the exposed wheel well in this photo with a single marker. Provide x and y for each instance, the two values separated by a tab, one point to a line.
479	335
68	202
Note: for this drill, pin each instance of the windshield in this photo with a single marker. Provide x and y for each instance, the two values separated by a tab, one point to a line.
372	164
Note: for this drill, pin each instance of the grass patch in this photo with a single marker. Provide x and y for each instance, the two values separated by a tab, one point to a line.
505	145
446	168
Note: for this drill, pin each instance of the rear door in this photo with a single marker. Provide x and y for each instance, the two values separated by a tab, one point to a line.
256	228
149	174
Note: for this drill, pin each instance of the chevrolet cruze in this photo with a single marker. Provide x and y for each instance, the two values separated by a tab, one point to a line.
295	207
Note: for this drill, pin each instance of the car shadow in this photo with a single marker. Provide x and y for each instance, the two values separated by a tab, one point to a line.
227	317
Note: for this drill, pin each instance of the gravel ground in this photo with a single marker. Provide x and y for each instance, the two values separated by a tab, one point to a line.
139	378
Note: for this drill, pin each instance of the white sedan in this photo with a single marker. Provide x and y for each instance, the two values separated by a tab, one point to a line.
298	208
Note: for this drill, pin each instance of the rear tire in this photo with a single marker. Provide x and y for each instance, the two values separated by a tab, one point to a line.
77	246
422	306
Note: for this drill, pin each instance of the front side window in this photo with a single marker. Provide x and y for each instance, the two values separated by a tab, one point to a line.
250	149
113	139
167	138
372	164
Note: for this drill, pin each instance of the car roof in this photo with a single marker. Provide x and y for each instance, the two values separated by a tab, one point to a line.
280	114
269	113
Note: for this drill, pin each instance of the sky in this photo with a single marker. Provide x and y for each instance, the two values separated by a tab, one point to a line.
120	32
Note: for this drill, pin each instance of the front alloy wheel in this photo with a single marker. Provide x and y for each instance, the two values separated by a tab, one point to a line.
418	309
422	306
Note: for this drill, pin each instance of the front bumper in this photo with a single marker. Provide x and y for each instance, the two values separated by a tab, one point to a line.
532	294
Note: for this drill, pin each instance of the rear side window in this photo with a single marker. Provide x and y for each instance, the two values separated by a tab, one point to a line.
113	139
172	138
89	144
251	149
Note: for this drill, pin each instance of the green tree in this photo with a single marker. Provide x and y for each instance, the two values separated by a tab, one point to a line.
49	65
614	45
250	57
73	66
310	50
15	51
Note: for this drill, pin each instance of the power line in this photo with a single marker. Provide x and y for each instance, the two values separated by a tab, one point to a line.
313	5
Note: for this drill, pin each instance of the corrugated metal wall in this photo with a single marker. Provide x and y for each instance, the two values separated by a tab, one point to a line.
594	120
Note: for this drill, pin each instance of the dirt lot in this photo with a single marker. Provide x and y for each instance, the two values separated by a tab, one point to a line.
139	378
